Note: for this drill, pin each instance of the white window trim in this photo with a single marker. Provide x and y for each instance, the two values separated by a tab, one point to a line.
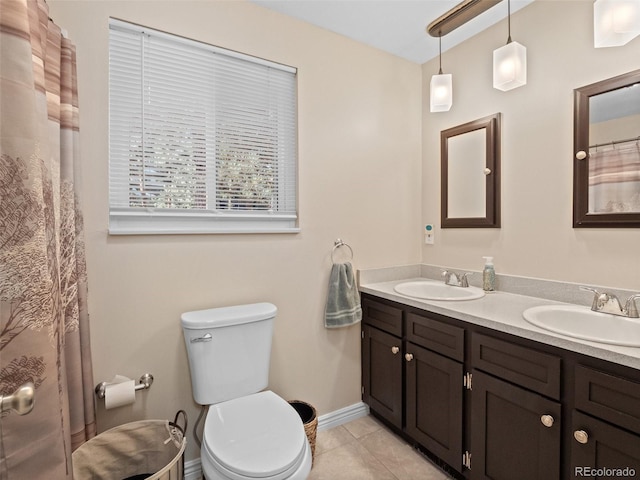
165	222
143	221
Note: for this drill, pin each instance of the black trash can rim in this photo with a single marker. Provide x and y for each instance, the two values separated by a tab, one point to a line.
306	411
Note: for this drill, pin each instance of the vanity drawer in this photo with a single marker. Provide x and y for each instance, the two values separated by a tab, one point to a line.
523	366
435	335
384	317
612	398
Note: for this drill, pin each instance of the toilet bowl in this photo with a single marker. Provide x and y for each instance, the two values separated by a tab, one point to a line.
255	437
249	433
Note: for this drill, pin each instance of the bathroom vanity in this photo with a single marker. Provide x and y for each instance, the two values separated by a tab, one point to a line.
492	397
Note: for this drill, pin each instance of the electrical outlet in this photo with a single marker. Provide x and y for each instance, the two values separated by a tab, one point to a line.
429	235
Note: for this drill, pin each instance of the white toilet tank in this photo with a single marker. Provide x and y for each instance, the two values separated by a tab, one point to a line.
229	349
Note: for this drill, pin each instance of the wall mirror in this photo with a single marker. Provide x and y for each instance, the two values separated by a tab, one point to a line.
470	182
606	164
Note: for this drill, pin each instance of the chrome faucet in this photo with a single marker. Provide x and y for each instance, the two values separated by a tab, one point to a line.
608	303
456	279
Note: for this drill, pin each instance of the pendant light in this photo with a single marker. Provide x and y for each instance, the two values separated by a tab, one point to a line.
615	22
509	62
441	96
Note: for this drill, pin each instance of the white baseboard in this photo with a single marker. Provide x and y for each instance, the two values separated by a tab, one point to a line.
193	469
344	415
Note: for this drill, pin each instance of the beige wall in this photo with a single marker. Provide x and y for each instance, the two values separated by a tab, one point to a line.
536	238
617	129
360	174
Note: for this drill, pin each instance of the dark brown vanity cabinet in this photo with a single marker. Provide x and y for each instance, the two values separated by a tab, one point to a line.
434	392
495	406
598	445
428	404
515	413
508	438
381	353
382	380
605	425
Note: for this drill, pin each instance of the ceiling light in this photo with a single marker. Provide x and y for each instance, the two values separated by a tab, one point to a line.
509	62
441	96
615	22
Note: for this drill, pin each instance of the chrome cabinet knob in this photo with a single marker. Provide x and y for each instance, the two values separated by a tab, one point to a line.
408	357
581	436
547	420
394	350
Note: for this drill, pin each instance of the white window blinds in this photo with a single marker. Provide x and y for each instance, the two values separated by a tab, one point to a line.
201	139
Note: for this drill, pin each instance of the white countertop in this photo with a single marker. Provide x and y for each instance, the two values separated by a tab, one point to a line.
502	312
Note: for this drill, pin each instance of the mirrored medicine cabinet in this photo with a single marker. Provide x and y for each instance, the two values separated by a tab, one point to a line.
470	174
606	139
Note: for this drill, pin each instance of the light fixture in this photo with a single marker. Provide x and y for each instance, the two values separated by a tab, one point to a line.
615	22
441	96
509	62
459	15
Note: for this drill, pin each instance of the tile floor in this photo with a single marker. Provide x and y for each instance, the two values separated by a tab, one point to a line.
365	449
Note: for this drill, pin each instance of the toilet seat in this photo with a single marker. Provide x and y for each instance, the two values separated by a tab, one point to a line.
259	436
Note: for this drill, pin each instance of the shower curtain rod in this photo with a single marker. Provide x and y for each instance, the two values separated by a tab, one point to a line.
616	142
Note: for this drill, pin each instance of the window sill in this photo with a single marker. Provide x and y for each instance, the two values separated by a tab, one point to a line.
141	223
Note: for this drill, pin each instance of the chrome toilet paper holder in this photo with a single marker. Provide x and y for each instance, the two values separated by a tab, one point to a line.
145	382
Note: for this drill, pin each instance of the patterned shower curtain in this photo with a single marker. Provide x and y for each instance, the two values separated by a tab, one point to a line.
614	178
44	326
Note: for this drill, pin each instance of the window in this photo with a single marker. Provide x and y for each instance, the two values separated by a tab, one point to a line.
201	139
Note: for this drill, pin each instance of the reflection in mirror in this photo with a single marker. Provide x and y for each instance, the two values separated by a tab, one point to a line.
470	156
607	174
614	151
466	174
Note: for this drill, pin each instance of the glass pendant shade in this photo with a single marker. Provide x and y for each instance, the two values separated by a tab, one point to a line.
441	92
615	22
509	66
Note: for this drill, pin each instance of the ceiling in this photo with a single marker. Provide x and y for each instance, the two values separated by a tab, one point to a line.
395	26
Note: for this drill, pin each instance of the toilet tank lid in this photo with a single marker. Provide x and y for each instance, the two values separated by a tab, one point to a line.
225	316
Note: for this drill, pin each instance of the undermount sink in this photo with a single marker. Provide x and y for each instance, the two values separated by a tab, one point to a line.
432	290
581	322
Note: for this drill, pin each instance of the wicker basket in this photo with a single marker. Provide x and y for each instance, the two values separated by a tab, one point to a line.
310	421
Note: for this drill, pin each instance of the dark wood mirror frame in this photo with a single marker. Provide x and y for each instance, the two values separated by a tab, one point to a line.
491	124
581	215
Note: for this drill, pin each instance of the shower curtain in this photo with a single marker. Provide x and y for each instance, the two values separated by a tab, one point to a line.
44	335
614	178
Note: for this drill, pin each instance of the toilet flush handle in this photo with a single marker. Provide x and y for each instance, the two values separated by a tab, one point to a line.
205	338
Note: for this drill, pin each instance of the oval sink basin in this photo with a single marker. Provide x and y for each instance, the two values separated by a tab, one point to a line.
432	290
581	322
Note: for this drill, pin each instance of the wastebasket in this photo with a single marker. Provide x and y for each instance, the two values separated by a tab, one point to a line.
148	449
310	421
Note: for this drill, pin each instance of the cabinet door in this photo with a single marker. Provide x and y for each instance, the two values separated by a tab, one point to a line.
434	403
605	447
508	437
382	374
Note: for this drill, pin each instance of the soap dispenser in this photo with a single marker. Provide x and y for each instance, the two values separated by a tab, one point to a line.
488	275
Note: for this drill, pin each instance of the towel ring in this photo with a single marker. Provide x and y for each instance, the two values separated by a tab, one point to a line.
336	245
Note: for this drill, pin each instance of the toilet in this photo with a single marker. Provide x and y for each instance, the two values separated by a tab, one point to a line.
249	432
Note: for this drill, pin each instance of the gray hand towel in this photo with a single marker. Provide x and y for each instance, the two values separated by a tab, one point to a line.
343	301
